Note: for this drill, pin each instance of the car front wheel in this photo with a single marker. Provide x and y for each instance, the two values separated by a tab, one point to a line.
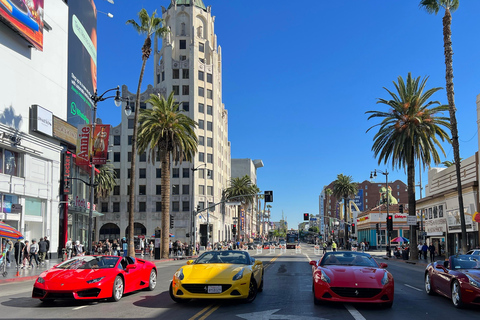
457	295
117	291
152	283
428	285
252	291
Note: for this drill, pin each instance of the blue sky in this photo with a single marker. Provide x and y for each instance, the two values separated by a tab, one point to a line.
298	78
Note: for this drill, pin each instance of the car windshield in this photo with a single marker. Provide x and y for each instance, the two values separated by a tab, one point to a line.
348	259
466	262
235	257
90	262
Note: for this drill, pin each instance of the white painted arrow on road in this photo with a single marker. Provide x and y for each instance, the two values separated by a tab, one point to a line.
269	314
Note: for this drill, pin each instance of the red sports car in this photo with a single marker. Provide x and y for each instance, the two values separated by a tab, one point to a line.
351	277
95	277
457	278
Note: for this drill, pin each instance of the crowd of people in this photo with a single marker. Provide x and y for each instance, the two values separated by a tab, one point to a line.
27	254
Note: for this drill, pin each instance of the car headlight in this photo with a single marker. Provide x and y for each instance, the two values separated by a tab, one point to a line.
239	275
472	281
385	278
40	280
324	277
179	274
95	280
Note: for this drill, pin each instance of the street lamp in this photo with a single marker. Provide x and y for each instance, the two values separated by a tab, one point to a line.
193	235
373	175
96	98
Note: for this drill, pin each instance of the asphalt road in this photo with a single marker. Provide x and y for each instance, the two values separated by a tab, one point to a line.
287	295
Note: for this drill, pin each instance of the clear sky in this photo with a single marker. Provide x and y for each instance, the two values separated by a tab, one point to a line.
298	77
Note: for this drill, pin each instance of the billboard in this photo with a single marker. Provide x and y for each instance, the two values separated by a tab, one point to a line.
100	143
359	199
82	61
26	17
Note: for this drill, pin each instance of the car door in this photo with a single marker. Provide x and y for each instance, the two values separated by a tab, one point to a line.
256	270
441	279
132	275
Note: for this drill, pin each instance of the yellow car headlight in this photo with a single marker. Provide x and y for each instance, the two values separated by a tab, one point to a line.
239	275
179	274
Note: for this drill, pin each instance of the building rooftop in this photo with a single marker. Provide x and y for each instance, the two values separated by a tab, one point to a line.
197	3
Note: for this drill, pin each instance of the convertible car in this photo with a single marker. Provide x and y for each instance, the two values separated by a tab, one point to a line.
457	278
218	275
95	277
351	277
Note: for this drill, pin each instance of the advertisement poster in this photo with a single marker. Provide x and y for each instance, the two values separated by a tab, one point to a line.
100	143
26	17
82	61
84	145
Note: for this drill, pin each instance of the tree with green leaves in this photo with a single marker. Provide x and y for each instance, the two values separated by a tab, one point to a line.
150	26
168	134
344	188
409	130
328	193
450	6
105	181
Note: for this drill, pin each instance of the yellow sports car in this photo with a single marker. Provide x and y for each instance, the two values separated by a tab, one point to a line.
218	275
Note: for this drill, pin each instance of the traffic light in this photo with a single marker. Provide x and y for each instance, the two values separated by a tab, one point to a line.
389	223
378	228
400	208
172	221
268	196
234	229
353	227
306	217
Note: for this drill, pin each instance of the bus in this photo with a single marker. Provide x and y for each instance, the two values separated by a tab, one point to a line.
292	239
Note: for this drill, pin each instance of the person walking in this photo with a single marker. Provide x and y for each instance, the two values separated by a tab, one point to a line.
78	249
48	248
142	245
125	246
26	255
424	250
334	246
324	247
34	253
420	252
18	246
431	249
42	251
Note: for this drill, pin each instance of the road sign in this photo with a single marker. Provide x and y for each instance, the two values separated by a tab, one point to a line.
313	219
411	220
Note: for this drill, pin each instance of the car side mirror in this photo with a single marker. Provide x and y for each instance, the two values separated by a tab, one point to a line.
190	262
445	264
131	266
257	262
313	263
383	265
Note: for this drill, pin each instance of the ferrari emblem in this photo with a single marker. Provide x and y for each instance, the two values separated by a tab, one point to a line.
356	284
357	293
62	284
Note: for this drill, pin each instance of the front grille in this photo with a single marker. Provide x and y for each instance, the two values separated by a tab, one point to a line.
59	295
356	292
203	288
90	293
38	293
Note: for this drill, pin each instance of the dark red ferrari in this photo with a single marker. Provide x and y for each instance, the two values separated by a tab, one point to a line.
457	278
95	277
347	276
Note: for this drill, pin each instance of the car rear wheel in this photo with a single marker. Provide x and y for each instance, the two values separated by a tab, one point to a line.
152	283
117	290
457	295
252	291
177	300
428	285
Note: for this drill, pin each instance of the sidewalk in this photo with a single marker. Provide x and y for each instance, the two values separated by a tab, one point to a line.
33	273
381	254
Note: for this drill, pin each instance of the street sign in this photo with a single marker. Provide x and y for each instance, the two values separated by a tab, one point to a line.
233	203
411	220
16	208
313	219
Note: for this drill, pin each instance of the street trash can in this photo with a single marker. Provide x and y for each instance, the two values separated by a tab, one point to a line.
405	255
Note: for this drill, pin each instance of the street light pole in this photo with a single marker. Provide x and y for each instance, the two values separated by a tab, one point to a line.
385	173
195	212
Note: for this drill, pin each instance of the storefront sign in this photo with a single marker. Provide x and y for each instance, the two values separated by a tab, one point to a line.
454	224
64	131
81	203
42	120
67	171
435	226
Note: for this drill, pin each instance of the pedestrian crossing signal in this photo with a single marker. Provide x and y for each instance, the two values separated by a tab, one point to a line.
389	223
306	217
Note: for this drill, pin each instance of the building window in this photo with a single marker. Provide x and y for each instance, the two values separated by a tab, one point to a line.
163	76
186	172
175	189
142	207
201	124
209	190
116	207
128	173
130	122
116	140
185	90
117	173
186	106
183	58
398	186
175	206
176	90
176	74
142	190
104	206
210	174
209	142
201	108
175	173
201	91
185	206
366	200
158	173
116	157
201	190
210	110
130	140
185	73
129	157
202	60
209	94
143	157
183	44
201	47
201	140
143	105
201	157
201	173
158	206
201	75
210	158
185	189
116	190
158	188
142	173
366	187
209	125
209	78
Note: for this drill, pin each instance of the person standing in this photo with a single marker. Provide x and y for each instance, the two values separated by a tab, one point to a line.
151	249
125	246
19	246
324	247
142	245
48	248
34	253
69	247
424	250
42	250
431	249
420	252
334	246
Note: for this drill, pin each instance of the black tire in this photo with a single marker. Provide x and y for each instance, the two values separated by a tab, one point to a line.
117	289
177	300
388	305
252	291
428	285
47	301
152	281
457	295
260	289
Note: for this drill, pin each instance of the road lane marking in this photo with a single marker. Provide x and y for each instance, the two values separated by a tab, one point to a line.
407	285
354	312
78	308
198	314
209	312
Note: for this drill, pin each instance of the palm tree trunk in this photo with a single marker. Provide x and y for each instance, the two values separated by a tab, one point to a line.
345	216
165	156
131	207
447	40
411	203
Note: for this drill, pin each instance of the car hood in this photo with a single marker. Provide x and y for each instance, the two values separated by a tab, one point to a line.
350	276
54	276
474	273
212	271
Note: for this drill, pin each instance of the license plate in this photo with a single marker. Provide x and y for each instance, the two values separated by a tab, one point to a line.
214	289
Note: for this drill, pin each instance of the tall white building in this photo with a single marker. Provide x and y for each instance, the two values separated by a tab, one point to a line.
188	62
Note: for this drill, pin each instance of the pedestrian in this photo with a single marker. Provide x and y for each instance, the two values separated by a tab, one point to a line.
142	245
78	249
198	248
124	246
324	247
334	246
69	248
8	249
48	248
34	253
431	248
26	255
151	249
424	250
42	250
170	248
362	246
19	246
420	252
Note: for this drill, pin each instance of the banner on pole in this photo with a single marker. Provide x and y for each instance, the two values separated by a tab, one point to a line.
83	145
100	143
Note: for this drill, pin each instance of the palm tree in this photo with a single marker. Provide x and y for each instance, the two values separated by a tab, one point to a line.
150	26
105	181
168	134
409	131
450	6
328	193
241	189
344	187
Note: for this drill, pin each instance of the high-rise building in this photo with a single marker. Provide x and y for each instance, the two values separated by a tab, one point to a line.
188	61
